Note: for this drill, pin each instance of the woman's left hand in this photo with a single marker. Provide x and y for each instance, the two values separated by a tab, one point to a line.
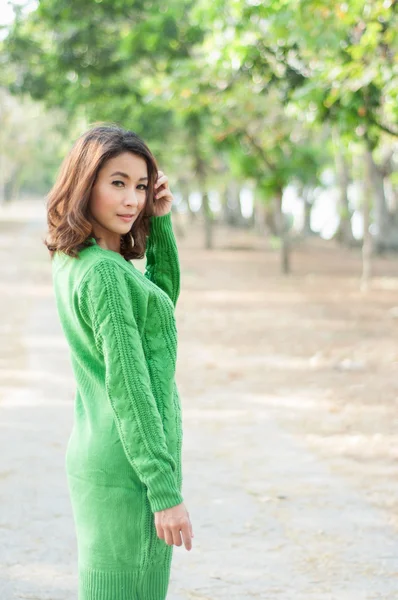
163	198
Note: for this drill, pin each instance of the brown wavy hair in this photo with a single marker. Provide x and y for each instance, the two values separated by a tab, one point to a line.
69	229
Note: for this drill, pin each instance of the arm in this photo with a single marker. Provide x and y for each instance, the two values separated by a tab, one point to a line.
104	299
162	263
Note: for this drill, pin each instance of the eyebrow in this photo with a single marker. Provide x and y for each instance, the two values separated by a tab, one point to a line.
127	176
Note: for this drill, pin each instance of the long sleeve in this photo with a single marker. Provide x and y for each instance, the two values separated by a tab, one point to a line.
104	299
162	262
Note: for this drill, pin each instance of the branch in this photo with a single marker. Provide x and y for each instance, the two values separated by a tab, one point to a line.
384	127
260	151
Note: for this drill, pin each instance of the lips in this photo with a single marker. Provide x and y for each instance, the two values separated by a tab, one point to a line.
126	218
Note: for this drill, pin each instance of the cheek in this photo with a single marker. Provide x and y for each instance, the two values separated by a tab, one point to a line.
102	201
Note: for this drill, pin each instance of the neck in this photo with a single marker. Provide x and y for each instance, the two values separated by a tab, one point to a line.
109	239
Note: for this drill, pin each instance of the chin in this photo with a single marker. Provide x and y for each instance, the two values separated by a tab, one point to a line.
124	228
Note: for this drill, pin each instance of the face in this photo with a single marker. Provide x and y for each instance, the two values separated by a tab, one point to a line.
118	196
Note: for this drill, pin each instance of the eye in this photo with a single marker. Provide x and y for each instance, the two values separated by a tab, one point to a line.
143	185
118	181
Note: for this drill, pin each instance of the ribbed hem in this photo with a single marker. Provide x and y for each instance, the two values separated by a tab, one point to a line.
154	585
123	585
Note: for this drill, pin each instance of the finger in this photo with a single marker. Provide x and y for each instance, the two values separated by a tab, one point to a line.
177	537
161	181
186	536
168	538
161	193
160	531
161	190
190	529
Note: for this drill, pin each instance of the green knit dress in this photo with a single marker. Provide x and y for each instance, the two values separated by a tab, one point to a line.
123	459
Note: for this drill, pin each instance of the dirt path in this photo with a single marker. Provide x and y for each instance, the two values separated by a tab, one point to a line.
289	393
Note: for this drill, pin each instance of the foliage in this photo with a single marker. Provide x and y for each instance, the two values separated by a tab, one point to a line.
227	88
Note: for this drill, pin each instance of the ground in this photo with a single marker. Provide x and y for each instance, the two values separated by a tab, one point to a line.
289	390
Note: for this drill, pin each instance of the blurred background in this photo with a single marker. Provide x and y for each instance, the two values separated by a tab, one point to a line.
277	125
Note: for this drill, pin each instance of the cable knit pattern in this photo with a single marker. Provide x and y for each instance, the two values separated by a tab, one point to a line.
123	460
161	266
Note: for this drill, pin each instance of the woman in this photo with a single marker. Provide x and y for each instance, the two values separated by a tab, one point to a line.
123	461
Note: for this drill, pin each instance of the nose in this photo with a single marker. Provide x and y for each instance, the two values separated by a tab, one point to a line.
131	199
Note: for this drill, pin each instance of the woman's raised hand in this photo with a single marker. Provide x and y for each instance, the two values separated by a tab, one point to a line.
163	198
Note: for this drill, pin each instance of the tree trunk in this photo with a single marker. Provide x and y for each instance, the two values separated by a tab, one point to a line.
224	204
194	127
208	221
306	194
259	217
192	214
2	153
233	209
15	187
200	168
367	243
2	182
270	219
184	188
280	224
344	233
392	192
386	235
2	176
307	230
